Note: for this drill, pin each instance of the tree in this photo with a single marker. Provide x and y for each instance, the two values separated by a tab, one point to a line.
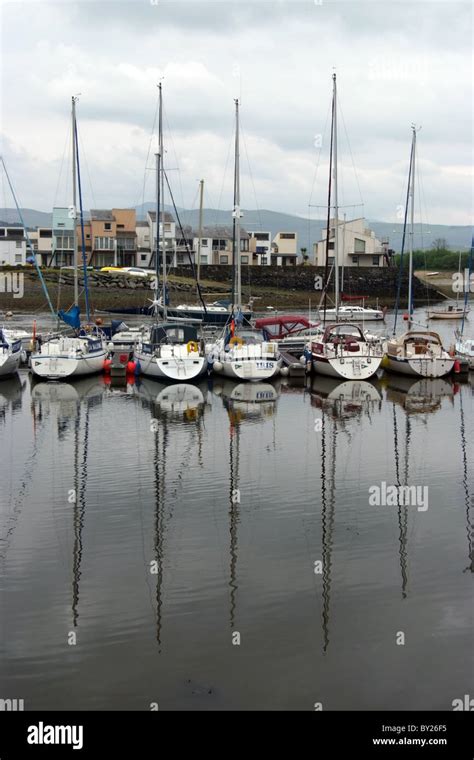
440	244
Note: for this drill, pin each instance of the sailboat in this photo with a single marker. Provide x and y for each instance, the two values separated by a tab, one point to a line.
418	353
449	311
342	349
83	353
464	345
169	350
10	354
239	354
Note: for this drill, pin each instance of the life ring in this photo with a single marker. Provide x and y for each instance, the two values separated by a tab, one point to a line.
236	341
192	346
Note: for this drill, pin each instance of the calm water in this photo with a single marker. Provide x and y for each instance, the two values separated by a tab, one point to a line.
200	513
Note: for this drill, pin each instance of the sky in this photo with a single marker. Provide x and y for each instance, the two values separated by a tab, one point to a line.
396	63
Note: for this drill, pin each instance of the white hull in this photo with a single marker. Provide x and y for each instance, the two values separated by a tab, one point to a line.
253	370
172	368
61	367
346	314
466	352
347	368
9	362
446	314
420	367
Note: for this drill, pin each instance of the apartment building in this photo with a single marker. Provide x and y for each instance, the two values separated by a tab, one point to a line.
12	245
260	246
284	249
357	245
62	238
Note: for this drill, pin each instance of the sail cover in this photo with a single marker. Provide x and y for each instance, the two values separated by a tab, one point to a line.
71	317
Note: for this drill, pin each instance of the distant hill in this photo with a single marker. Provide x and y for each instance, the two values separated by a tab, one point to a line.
308	231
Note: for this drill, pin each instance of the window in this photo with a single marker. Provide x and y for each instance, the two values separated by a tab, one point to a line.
331	246
18	258
107	226
104	243
180	258
287	235
204	242
264	260
375	261
355	259
119	227
224	259
245	259
203	259
2	233
261	236
60	224
146	237
88	237
46	233
143	257
18	243
359	245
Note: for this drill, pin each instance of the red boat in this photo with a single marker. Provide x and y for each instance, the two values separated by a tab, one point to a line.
279	328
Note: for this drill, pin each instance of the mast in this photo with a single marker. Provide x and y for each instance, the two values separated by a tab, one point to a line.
412	226
157	236
74	202
237	213
201	197
327	273
162	194
336	206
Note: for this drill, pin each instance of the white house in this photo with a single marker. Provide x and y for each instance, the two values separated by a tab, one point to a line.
12	245
170	236
357	245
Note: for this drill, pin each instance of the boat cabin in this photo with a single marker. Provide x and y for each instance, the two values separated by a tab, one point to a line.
171	333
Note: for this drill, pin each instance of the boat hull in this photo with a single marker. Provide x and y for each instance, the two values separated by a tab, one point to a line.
253	370
179	370
446	314
347	368
9	362
420	367
62	366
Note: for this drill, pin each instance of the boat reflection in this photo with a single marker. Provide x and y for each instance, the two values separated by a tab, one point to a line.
420	396
179	402
11	391
247	401
345	400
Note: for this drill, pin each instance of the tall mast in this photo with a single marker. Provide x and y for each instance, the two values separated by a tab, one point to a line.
162	193
201	197
74	203
412	226
336	207
157	235
237	213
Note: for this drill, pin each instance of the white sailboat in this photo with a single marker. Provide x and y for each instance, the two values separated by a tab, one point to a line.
342	349
418	353
168	350
241	354
353	314
465	345
10	354
63	357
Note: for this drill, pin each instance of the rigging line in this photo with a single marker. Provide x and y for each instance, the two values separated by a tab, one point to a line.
28	241
465	482
251	176
231	142
170	139
350	152
152	135
66	143
400	270
84	155
198	286
318	162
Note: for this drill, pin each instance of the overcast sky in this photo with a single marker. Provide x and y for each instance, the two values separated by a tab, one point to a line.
396	63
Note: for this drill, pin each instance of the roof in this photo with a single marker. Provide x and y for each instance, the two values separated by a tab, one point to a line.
168	217
222	232
142	224
102	215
